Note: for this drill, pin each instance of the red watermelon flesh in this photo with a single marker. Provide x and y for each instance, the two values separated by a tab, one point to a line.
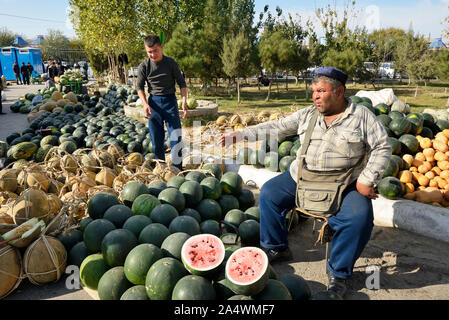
202	254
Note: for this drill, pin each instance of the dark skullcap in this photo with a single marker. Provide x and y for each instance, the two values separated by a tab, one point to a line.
333	73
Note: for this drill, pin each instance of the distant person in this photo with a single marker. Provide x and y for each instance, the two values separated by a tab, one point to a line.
2	87
48	82
61	69
25	74
16	70
30	70
53	71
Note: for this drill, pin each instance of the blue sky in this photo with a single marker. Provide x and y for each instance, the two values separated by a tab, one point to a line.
425	15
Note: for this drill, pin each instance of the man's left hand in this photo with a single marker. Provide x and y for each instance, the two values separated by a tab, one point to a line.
184	108
366	191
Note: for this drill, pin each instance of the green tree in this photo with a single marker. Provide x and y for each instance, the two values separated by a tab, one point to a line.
180	48
423	68
6	37
235	57
408	51
442	64
276	53
53	43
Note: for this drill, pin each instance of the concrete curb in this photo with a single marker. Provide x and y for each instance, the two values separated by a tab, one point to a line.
413	216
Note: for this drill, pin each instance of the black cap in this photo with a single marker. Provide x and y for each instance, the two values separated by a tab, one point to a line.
333	73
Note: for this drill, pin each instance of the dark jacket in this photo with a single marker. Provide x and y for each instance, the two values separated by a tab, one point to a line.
16	68
30	68
52	72
24	69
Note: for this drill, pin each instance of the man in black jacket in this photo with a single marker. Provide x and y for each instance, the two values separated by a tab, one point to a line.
53	70
16	70
25	74
30	70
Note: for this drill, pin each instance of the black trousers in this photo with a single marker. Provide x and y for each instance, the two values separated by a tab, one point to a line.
1	106
26	78
18	78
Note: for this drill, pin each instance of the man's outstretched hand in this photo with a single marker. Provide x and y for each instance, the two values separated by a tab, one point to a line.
232	137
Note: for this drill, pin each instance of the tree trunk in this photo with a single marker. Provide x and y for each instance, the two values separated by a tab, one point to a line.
286	82
238	90
277	85
307	89
269	90
416	92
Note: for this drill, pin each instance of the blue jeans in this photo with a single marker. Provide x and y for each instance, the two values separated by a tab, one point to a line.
352	224
165	109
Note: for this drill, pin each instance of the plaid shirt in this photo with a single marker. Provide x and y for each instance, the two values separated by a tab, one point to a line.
356	134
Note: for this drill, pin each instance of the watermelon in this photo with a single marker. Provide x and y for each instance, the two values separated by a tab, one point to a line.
228	202
243	155
246	199
400	126
257	158
197	176
409	144
156	187
209	209
131	191
272	161
95	232
184	224
296	285
193	287
92	269
416	125
69	239
203	254
172	245
175	182
355	99
210	226
154	233
382	108
240	297
135	224
274	290
164	214
144	204
192	213
192	192
116	245
222	290
249	231
215	170
174	197
135	293
285	163
442	124
396	145
113	284
396	115
284	148
118	214
99	203
139	260
392	169
162	278
235	217
231	183
384	119
77	254
391	188
211	188
253	213
23	150
247	271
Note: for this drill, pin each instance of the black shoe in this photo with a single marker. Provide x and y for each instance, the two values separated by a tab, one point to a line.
278	256
337	285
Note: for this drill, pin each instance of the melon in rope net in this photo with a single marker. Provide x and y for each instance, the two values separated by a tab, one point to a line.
8	180
10	270
247	271
31	204
28	232
203	254
45	260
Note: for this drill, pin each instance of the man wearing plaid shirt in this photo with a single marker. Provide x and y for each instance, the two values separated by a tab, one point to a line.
344	134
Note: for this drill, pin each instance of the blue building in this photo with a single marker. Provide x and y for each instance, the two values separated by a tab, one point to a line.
9	55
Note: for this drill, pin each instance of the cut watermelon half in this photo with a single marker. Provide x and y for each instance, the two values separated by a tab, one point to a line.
203	254
247	271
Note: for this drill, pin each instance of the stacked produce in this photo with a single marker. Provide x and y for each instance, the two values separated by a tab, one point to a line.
70	76
116	95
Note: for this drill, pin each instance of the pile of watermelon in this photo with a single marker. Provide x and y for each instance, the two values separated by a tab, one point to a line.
417	167
117	95
274	156
190	238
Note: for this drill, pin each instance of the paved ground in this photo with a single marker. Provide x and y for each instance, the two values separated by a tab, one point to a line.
15	122
410	266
